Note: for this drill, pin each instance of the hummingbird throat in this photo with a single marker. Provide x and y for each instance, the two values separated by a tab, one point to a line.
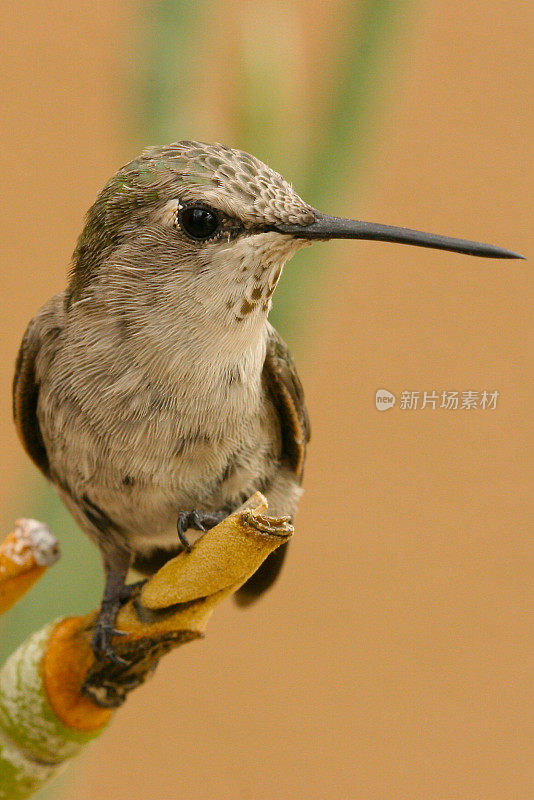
250	269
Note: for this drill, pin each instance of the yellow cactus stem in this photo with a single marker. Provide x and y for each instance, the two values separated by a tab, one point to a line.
25	555
54	695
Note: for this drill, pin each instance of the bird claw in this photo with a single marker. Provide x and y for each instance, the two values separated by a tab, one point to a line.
189	519
102	646
181	526
199	521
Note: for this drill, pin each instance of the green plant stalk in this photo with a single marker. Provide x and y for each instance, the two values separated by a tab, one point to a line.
34	743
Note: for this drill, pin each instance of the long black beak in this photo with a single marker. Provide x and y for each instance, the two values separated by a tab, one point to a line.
326	227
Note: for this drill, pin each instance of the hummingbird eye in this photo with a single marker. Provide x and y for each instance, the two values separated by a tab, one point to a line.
198	222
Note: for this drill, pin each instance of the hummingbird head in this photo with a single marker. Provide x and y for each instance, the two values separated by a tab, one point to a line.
205	229
194	225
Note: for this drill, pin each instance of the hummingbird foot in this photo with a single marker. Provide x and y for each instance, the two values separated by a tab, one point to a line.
116	564
199	521
102	645
104	631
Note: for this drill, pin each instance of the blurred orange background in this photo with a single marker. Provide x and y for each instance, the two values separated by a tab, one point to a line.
392	660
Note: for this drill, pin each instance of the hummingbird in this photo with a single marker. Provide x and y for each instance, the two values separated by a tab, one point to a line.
153	392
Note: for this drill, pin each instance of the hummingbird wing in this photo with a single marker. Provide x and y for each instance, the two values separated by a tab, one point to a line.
285	389
43	328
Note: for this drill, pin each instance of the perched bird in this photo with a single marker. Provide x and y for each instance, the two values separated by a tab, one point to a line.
153	393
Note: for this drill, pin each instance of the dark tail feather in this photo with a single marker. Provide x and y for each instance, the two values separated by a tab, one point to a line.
263	578
149	564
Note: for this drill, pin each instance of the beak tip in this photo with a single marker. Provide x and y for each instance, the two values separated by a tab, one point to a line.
511	254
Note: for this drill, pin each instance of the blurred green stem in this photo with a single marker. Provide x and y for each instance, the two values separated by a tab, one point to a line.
365	51
169	40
